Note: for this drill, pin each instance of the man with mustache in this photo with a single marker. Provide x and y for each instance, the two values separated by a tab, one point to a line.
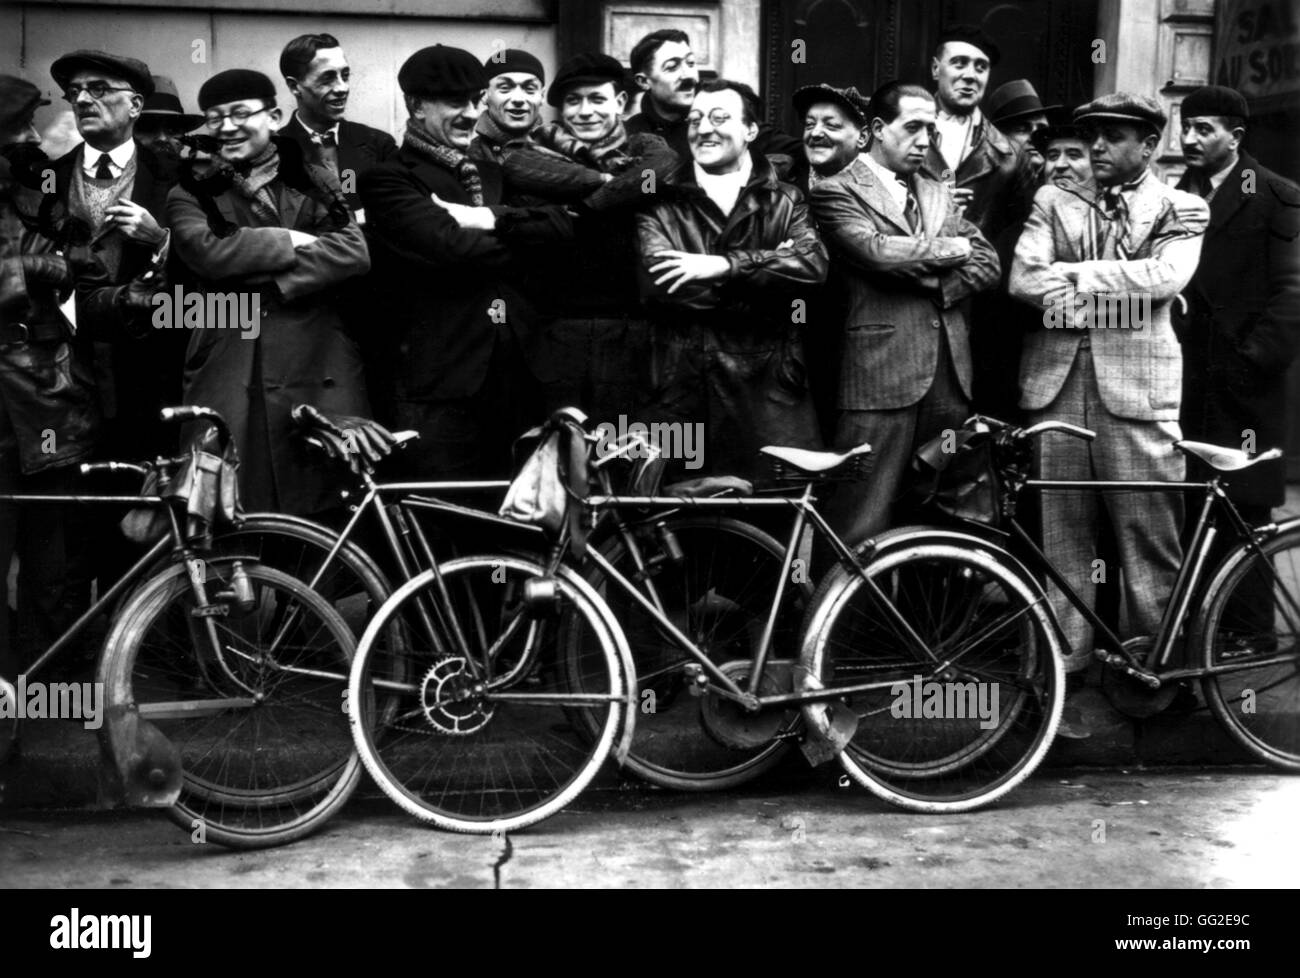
663	67
319	77
726	254
467	358
1239	333
259	221
1137	246
911	261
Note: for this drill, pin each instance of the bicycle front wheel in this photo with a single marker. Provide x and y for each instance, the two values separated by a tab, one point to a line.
1248	638
480	730
955	669
252	699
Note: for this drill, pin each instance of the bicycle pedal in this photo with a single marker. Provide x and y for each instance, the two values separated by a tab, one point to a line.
211	611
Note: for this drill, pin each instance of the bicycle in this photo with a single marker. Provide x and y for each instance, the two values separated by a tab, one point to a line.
202	684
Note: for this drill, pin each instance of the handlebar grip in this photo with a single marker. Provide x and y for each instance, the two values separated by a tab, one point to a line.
88	467
1062	426
195	412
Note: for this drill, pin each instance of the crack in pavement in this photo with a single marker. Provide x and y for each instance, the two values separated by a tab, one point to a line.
506	853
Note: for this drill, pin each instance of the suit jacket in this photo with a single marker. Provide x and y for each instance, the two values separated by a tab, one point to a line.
994	171
446	292
903	288
360	148
303	353
1139	371
1242	327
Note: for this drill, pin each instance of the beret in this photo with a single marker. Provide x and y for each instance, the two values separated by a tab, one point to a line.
1214	100
128	69
1126	107
849	99
441	70
18	100
512	59
587	69
970	34
1013	100
235	85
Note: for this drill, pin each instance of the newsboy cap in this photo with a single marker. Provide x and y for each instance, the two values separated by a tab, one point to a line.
1014	100
235	85
513	59
441	70
163	107
1124	107
128	69
1214	100
970	34
587	69
18	100
849	99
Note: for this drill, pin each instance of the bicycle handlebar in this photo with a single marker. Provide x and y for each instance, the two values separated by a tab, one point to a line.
1070	429
193	412
88	467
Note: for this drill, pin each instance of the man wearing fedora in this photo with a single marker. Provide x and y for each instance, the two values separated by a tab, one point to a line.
318	76
1240	331
1136	246
163	119
118	189
1017	111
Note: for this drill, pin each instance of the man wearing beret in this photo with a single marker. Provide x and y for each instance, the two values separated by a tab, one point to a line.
1241	330
319	77
1105	271
466	359
512	106
274	231
118	189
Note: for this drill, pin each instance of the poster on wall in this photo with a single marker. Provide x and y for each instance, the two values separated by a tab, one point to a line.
1258	51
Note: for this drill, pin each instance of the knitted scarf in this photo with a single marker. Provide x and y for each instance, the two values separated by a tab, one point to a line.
252	181
454	160
609	153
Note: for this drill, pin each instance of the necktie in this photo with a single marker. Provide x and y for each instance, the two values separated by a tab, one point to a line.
329	150
911	210
102	170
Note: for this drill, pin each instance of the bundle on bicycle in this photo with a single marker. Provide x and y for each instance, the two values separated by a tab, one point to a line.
222	677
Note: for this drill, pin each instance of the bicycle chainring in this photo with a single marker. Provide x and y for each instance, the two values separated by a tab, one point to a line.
449	702
731	725
1128	694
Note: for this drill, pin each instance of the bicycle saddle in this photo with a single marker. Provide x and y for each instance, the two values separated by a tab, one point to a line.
1224	459
809	461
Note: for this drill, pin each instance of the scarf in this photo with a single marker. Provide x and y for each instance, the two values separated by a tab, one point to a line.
252	181
608	154
454	160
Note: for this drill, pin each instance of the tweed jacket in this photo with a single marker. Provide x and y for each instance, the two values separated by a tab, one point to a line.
903	288
1139	370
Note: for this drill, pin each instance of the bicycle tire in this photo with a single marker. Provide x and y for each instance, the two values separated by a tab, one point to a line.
722	592
486	763
245	792
950	596
1259	707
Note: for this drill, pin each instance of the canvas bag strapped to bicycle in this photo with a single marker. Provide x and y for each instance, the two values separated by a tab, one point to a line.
551	478
206	481
955	474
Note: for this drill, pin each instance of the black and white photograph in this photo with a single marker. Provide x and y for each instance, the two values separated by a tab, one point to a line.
586	444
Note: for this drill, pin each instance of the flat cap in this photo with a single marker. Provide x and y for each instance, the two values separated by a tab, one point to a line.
128	69
512	59
1014	100
849	99
970	34
1214	100
163	108
1124	107
587	69
441	70
18	100
1056	129
235	85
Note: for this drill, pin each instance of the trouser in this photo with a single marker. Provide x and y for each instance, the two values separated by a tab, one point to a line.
601	365
1146	524
860	509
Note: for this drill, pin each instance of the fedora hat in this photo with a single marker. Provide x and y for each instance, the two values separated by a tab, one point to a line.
1014	100
163	108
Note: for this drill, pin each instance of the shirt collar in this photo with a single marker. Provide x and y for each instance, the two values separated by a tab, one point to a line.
312	134
1216	179
119	157
722	187
887	177
972	120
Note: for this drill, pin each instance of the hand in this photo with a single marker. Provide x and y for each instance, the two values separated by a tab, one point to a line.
48	268
963	196
365	442
470	218
680	267
300	239
135	222
139	292
962	246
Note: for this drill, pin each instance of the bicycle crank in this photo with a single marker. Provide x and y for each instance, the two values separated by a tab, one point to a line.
452	699
731	725
1132	693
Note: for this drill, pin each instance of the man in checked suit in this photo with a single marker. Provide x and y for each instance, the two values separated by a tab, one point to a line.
911	261
1106	269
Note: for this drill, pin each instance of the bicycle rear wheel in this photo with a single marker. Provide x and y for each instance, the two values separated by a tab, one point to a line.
251	699
487	734
962	719
1251	626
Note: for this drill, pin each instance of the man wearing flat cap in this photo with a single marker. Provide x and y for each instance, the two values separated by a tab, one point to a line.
1241	330
587	161
1105	271
263	225
318	76
118	188
466	359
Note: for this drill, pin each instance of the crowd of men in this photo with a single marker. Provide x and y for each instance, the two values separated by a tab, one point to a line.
918	255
